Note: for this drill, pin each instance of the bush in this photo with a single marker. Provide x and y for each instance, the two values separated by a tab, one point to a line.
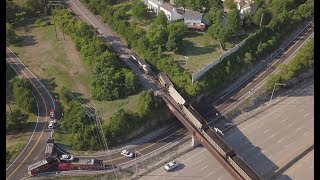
303	61
22	94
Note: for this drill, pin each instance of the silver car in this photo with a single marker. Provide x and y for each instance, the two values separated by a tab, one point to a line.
171	165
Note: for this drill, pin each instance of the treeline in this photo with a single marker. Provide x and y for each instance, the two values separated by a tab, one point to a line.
110	78
84	134
258	45
302	62
24	103
150	45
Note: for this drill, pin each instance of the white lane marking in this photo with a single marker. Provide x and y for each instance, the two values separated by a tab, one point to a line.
306	115
305	133
220	177
269	157
247	142
175	174
298	129
197	162
253	147
266	131
291	124
273	134
285	119
211	173
203	168
287	145
300	110
260	125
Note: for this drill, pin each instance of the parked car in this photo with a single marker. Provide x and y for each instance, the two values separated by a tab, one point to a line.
65	167
66	157
51	125
171	165
126	153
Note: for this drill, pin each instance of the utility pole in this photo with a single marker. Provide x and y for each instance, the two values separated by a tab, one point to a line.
275	84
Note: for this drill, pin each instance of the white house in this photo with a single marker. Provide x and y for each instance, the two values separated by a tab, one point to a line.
171	12
193	19
154	5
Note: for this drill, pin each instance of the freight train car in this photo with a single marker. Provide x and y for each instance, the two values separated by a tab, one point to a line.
176	96
142	64
194	116
42	165
243	168
164	81
218	143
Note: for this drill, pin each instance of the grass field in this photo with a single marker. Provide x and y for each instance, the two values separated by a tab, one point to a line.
198	50
49	58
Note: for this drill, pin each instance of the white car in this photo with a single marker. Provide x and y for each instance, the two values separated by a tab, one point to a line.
171	165
51	124
66	157
126	153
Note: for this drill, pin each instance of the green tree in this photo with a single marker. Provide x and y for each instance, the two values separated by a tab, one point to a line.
11	10
161	19
35	6
157	35
11	36
233	26
176	33
181	3
17	119
145	104
261	14
138	9
229	4
22	94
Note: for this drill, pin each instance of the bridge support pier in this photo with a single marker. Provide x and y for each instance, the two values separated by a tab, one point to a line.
194	141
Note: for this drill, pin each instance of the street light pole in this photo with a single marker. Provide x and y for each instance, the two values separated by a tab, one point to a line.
274	88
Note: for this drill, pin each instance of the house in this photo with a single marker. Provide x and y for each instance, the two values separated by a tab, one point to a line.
193	19
171	12
153	5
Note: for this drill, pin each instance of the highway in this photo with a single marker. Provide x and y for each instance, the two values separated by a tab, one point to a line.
34	150
276	136
196	164
267	142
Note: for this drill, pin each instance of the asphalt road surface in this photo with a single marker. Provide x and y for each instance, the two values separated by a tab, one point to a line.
196	164
34	150
276	136
108	36
303	169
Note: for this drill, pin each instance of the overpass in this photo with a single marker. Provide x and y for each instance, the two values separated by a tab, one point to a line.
202	133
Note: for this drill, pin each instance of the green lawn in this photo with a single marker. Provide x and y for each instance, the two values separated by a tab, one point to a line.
198	50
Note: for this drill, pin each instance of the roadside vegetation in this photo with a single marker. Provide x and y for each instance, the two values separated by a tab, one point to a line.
285	18
80	132
20	110
301	62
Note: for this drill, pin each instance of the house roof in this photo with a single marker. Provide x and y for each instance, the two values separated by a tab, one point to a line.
155	1
168	7
192	15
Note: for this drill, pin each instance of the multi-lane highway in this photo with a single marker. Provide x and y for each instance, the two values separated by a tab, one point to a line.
196	164
34	150
268	142
276	136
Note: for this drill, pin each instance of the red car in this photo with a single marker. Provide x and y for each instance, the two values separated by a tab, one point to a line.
65	167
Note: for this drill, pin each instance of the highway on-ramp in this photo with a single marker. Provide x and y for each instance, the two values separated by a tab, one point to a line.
34	150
